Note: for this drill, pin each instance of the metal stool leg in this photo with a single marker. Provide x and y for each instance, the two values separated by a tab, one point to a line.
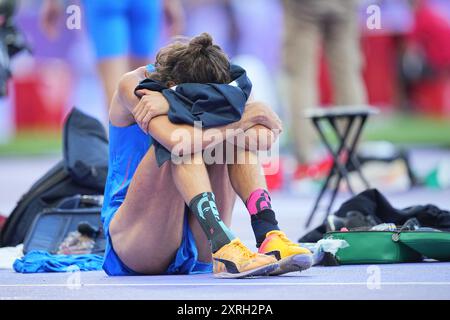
347	140
343	146
325	185
319	197
350	156
351	151
336	164
340	169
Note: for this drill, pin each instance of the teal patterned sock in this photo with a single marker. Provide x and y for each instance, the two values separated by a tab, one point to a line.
204	207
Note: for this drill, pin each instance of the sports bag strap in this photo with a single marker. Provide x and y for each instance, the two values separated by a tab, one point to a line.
79	200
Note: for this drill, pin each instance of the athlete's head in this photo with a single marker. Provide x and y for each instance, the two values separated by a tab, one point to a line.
196	60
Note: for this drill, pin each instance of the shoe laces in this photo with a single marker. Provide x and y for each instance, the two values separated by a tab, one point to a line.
286	240
245	252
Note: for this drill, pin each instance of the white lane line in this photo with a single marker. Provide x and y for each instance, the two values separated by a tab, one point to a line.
218	284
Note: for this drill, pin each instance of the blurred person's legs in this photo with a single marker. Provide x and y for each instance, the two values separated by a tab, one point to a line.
302	40
108	29
343	53
110	71
308	24
145	21
342	49
124	34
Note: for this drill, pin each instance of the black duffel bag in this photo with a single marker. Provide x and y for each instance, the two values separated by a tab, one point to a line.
82	171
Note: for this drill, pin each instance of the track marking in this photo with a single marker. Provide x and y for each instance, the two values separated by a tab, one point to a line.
218	284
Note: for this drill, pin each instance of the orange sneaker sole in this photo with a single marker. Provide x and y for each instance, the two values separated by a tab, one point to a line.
261	271
298	262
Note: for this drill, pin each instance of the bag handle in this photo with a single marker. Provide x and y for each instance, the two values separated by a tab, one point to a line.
78	200
408	225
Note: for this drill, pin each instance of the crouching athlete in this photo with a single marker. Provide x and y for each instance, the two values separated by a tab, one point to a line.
174	218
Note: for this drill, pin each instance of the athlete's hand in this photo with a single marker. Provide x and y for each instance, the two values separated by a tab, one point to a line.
150	105
259	138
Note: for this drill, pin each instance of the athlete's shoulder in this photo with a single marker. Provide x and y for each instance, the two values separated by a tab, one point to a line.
140	73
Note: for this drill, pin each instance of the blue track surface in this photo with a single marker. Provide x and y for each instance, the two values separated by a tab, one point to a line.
405	281
428	280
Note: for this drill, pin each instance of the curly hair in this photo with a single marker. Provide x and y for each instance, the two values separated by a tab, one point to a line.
197	60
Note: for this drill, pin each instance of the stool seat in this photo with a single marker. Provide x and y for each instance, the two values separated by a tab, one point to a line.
351	123
341	111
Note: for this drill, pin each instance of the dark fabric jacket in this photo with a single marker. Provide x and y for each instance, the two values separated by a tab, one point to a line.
370	208
373	203
211	103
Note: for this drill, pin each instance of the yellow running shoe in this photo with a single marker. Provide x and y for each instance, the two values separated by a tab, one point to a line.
291	257
235	260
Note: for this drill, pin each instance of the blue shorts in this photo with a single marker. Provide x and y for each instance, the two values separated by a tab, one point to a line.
119	28
185	261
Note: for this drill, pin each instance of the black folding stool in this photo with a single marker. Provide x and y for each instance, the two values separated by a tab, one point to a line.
352	120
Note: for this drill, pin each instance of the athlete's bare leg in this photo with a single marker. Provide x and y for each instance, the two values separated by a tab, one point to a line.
146	231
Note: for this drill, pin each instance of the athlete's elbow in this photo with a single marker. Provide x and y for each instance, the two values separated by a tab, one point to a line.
123	86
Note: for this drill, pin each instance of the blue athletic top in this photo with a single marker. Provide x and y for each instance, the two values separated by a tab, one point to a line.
127	147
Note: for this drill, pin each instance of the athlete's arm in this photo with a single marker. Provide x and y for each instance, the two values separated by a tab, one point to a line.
124	102
260	137
127	109
183	138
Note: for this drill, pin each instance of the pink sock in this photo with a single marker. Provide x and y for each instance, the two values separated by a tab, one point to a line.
258	201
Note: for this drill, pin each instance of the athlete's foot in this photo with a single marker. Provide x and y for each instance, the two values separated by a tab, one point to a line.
235	260
291	257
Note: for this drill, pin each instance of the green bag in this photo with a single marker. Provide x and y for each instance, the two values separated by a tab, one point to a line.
366	247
